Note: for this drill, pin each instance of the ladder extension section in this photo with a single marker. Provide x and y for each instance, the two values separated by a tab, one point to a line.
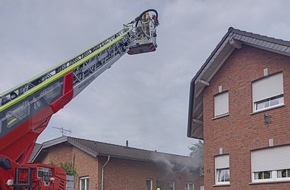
83	66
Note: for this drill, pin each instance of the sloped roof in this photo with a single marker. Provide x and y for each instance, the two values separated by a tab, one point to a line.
95	149
233	39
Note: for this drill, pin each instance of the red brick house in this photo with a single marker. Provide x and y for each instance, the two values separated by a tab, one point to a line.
103	166
240	106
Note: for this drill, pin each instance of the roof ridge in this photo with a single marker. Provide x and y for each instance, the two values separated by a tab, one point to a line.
129	147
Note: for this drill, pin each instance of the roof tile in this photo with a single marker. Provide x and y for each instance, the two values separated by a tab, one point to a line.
96	148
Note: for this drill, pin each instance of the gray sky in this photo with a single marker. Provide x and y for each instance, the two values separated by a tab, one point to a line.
142	98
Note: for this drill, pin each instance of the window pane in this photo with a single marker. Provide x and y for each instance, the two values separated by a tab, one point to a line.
227	175
223	175
283	173
84	183
267	175
273	101
260	175
277	101
148	184
189	186
260	106
256	175
263	175
171	185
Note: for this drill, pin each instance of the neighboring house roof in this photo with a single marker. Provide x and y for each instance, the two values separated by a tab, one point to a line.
37	148
233	39
95	149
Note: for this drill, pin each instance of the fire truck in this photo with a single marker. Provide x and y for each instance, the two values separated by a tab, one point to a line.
26	109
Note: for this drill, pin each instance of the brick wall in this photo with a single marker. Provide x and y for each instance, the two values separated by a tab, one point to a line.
86	166
131	175
58	154
242	130
119	173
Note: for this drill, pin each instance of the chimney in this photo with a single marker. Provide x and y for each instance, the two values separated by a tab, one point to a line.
127	143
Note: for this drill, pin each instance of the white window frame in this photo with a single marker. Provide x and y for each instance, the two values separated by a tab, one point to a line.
171	185
189	186
151	184
255	176
222	170
273	160
221	104
275	176
268	92
222	176
86	181
287	177
269	103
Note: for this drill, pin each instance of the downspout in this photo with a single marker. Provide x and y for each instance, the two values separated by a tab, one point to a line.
103	171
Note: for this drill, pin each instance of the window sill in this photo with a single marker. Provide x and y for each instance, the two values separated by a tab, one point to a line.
269	182
222	185
220	116
267	109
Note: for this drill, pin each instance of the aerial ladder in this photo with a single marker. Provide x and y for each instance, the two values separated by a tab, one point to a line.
26	109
